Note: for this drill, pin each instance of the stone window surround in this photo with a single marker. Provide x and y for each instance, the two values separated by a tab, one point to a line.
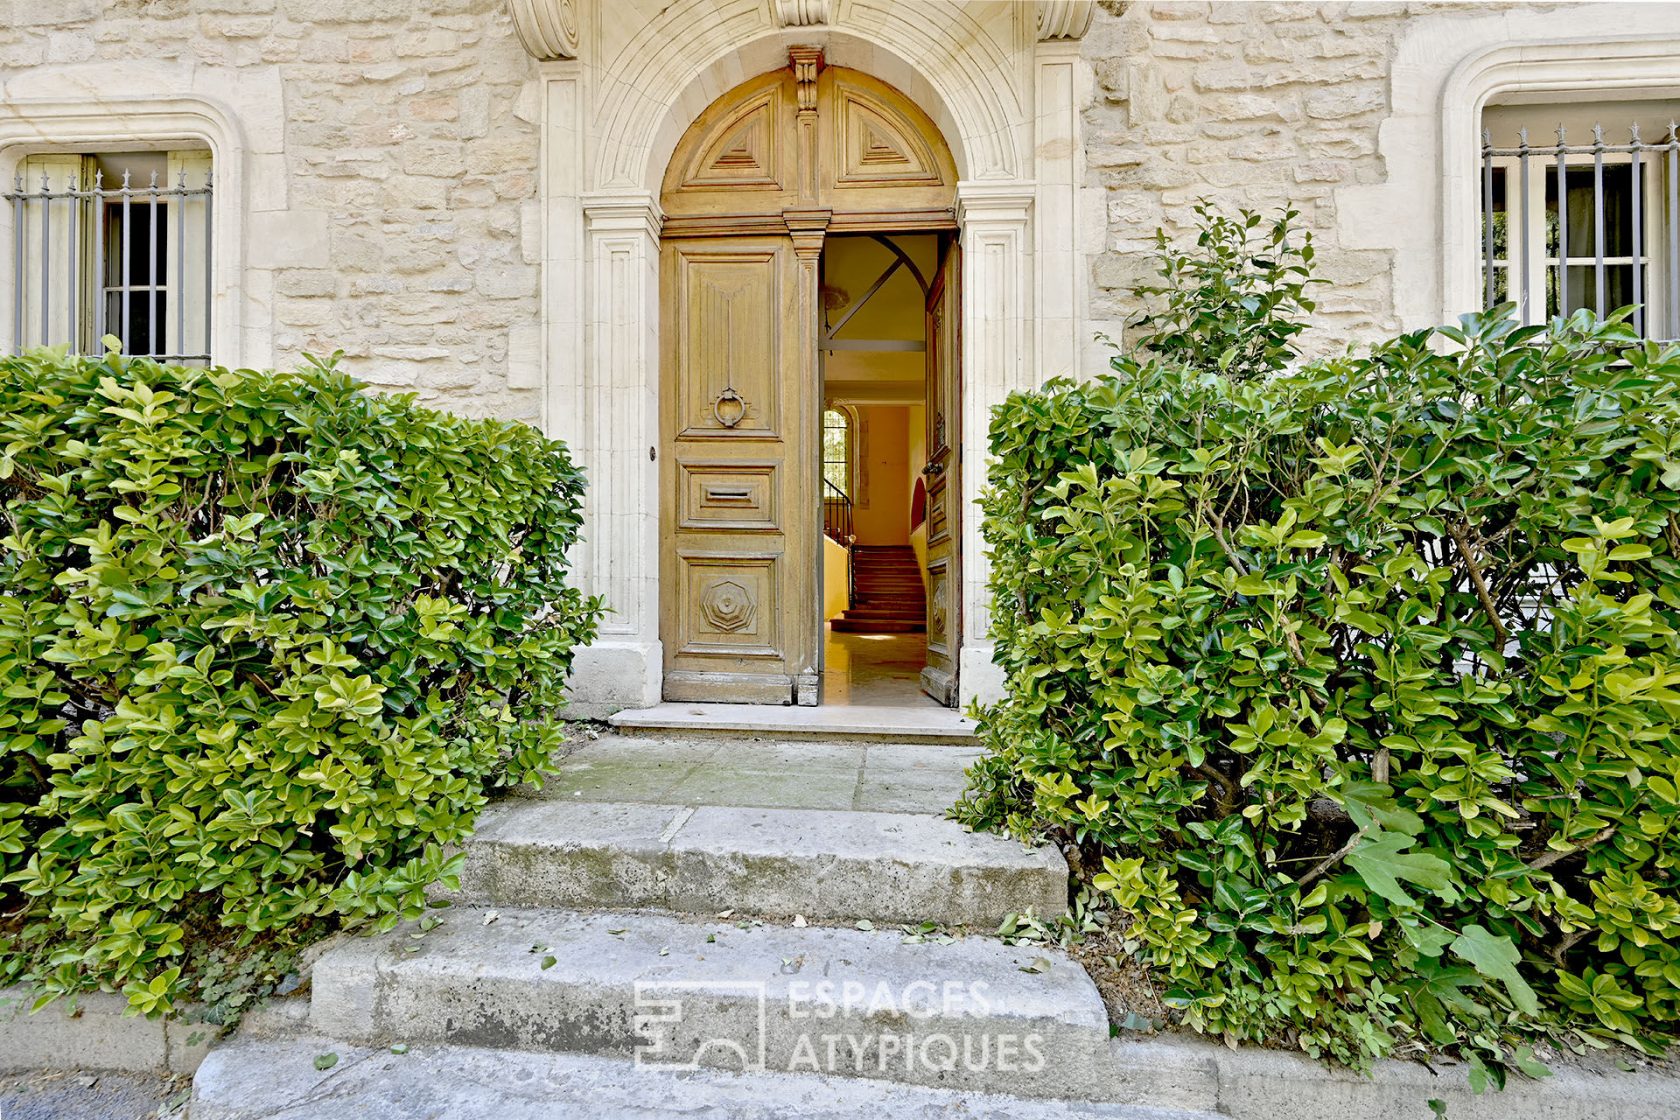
35	125
1635	66
1015	134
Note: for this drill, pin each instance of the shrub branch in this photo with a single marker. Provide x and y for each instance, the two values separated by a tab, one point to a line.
1488	606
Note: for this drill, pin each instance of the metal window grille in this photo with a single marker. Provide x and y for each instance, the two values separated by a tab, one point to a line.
91	259
1593	225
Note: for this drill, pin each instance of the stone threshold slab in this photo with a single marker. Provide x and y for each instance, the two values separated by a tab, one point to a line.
872	723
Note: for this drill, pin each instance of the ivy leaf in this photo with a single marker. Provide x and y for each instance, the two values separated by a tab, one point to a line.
1525	1060
1428	940
1496	958
1382	861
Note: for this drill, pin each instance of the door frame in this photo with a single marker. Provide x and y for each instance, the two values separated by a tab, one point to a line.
949	238
789	156
593	359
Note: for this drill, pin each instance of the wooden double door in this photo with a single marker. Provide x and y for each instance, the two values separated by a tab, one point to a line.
755	188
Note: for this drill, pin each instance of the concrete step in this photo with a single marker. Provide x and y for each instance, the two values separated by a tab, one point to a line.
972	1014
826	865
276	1079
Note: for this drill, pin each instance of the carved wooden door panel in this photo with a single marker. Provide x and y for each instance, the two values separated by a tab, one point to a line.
944	487
733	584
754	187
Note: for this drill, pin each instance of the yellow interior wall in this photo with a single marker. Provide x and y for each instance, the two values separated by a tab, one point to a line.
836	561
882	515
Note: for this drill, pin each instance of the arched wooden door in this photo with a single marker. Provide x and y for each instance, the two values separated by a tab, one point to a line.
755	185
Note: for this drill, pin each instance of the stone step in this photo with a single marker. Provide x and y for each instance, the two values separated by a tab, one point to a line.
971	1014
877	626
277	1079
881	614
823	864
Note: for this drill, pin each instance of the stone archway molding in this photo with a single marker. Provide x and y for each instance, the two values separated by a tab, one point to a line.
548	28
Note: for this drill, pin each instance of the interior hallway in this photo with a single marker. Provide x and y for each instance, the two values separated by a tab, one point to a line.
875	669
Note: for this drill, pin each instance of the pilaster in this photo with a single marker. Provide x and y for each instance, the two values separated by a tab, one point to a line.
618	425
1058	249
997	324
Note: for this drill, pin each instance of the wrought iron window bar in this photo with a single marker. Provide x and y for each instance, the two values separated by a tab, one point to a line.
1649	230
85	205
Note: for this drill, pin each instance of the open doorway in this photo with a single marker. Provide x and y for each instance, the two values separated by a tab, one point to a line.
877	368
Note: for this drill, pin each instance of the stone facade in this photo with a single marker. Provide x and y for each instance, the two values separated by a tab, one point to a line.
463	194
408	169
1259	105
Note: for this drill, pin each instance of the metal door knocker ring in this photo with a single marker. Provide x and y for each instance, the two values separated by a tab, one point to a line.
730	408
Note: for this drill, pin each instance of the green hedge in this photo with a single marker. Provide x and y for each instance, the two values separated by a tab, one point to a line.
1357	687
265	640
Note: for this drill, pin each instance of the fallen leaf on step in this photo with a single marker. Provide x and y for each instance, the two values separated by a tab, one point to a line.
1038	964
725	913
665	952
400	1048
326	1061
490	916
865	924
549	962
799	921
617	932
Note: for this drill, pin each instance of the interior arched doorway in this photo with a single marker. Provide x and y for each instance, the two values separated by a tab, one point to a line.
786	174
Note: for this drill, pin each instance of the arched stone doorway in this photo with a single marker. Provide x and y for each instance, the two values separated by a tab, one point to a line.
768	177
620	82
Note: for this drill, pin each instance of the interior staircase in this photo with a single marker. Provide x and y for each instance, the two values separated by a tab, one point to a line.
888	596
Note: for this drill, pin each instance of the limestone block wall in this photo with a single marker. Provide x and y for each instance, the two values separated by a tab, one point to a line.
1362	116
1258	105
395	216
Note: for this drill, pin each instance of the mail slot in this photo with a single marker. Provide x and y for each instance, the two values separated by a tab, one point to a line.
728	496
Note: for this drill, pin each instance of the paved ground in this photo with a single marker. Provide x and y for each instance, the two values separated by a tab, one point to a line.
77	1095
763	774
